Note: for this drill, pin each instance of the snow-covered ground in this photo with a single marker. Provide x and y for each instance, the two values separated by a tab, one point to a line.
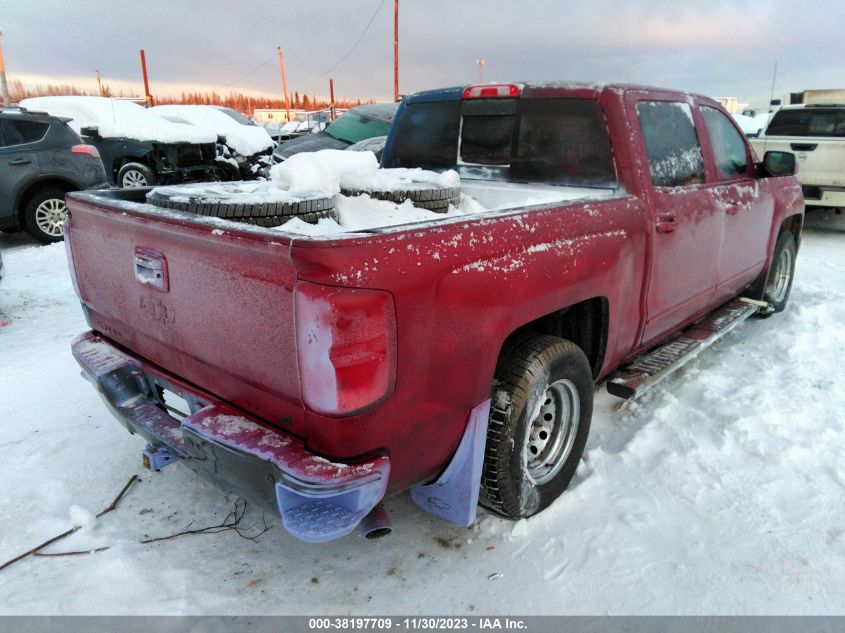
723	491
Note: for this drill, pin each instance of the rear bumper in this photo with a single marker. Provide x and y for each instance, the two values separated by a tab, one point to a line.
824	196
317	499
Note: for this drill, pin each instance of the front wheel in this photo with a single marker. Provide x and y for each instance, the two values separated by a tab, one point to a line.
45	215
781	272
133	175
540	412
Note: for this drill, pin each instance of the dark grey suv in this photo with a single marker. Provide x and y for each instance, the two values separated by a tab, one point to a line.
41	159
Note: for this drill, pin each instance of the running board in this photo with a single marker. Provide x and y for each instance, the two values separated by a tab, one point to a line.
633	380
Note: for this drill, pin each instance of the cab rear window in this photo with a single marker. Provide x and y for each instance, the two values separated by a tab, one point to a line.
545	141
808	122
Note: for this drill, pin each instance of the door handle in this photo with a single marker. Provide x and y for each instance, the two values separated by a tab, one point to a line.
20	161
803	147
666	224
151	268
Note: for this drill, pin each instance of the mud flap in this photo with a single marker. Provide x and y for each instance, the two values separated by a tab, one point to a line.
454	494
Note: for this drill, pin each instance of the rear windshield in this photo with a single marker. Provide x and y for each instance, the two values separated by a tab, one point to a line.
352	127
548	141
237	116
808	122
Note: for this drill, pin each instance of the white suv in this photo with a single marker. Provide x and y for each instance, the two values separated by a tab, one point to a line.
816	133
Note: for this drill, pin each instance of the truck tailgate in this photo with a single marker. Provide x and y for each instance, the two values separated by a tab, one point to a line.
214	307
821	159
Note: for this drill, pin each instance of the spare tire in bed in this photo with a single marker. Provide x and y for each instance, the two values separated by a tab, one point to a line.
425	195
240	202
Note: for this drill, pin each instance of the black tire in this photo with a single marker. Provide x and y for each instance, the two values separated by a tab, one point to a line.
435	199
260	214
781	272
227	172
535	373
44	215
133	175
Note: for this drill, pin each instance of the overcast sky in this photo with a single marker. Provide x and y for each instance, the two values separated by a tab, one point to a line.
719	48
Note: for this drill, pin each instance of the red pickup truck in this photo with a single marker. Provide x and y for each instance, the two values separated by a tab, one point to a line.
626	228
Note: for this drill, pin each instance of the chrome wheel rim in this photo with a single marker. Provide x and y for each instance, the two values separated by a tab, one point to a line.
782	276
50	216
133	178
551	434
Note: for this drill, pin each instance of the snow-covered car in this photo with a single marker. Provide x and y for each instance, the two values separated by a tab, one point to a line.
816	133
374	145
138	147
354	125
243	147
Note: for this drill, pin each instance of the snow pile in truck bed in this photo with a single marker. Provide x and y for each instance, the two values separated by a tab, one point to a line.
244	139
322	175
325	173
116	118
361	213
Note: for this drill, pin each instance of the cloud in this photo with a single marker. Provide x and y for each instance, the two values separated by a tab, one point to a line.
722	47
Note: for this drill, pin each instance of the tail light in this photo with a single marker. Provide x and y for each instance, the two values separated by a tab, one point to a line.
69	255
89	150
492	91
346	347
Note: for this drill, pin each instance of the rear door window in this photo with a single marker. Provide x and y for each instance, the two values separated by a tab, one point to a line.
9	135
729	148
808	122
674	153
19	132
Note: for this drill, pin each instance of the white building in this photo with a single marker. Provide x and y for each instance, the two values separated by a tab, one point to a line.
273	115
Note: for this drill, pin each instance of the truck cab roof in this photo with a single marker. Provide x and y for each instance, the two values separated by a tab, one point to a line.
539	89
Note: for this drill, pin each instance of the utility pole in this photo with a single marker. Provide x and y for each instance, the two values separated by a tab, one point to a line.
331	99
480	62
395	50
284	81
99	84
148	98
4	87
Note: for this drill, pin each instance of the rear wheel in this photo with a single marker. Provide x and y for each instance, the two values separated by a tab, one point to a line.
781	272
133	175
45	214
540	414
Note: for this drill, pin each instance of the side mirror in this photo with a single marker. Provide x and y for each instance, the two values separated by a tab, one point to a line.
779	164
93	132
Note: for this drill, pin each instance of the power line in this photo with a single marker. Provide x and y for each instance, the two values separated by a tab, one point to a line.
342	59
251	72
358	41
